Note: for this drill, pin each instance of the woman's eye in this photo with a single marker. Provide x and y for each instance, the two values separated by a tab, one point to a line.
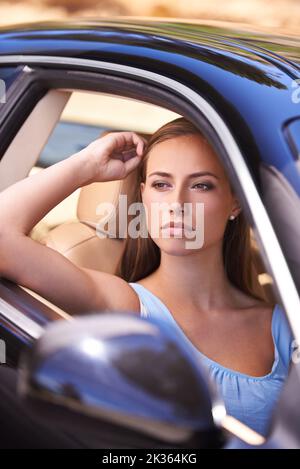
202	186
159	185
205	187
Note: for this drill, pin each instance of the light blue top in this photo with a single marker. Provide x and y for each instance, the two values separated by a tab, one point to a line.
250	399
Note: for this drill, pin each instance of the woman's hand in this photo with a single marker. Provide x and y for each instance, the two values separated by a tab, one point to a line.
113	156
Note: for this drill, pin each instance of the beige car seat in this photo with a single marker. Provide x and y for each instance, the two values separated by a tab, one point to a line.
79	241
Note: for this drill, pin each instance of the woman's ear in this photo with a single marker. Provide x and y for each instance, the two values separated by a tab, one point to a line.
236	207
237	211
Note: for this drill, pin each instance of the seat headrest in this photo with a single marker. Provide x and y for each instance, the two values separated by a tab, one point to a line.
105	192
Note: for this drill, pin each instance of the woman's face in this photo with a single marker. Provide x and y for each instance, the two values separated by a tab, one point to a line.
171	182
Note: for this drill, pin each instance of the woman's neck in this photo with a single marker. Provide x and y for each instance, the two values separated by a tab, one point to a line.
196	279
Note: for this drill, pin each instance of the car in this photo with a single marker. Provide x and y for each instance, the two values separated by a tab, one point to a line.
240	87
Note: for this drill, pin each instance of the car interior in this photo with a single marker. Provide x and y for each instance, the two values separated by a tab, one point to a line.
61	123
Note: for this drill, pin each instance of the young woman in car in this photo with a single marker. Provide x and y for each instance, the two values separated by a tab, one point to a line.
209	294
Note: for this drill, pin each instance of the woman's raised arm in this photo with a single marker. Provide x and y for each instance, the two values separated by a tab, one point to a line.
22	205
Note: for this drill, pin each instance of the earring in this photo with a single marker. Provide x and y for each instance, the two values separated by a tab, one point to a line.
232	217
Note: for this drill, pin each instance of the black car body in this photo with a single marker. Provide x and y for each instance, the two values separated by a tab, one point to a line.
242	89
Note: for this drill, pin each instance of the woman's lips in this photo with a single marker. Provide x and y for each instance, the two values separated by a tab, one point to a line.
176	229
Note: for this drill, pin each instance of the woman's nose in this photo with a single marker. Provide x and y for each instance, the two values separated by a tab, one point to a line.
178	195
176	208
176	201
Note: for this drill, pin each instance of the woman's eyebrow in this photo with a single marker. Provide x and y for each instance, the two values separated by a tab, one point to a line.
190	176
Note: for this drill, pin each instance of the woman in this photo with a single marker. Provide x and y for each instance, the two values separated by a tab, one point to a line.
209	293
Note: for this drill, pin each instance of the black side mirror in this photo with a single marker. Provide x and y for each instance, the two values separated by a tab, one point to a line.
123	382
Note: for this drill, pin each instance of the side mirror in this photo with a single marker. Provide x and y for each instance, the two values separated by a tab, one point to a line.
126	381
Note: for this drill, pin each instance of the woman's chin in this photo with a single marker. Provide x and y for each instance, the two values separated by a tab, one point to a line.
174	246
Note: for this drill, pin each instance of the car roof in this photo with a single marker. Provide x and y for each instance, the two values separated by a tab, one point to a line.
231	37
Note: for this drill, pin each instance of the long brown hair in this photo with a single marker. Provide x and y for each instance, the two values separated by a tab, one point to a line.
141	256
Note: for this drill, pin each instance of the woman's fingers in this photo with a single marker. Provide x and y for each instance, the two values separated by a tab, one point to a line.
120	141
126	145
139	142
115	154
132	163
129	148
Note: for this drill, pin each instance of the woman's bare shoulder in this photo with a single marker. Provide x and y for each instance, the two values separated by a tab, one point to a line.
261	313
254	305
113	293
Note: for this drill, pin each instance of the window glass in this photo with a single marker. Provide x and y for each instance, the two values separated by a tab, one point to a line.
7	77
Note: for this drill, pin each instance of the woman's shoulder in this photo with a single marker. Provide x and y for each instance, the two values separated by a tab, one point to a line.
143	292
257	311
110	292
282	334
273	313
264	314
150	303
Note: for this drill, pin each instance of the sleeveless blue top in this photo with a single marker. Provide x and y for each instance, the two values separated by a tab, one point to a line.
250	399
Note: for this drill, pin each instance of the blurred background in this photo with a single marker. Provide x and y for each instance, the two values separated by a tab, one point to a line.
278	15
